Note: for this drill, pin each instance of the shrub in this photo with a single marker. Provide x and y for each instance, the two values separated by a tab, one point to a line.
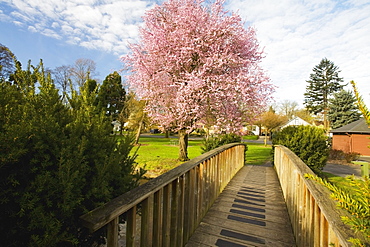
351	156
307	142
335	154
57	163
213	142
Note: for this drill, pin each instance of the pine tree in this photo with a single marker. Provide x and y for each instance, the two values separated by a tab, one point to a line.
111	96
342	109
323	82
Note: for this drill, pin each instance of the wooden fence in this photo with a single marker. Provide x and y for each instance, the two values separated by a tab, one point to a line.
166	210
314	216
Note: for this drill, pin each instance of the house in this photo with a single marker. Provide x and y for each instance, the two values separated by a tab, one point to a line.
296	121
116	126
353	137
254	129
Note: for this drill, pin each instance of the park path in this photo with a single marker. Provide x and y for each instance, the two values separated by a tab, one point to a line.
251	211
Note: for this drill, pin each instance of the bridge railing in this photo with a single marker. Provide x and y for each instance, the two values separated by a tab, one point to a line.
166	210
314	216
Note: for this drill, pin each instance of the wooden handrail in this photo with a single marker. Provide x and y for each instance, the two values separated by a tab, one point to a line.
314	216
171	205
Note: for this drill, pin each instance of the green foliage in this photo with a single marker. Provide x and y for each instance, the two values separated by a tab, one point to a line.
342	109
323	82
361	104
111	96
58	162
307	142
355	201
213	142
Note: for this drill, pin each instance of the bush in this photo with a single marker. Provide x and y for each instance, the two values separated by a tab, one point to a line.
307	142
216	141
57	163
351	156
335	154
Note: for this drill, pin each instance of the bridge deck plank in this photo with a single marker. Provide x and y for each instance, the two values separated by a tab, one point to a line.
250	212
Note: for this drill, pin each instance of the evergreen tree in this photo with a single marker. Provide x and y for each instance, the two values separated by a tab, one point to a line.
342	109
57	161
323	82
111	96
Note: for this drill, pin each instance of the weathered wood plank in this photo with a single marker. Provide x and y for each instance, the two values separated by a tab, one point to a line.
246	214
131	227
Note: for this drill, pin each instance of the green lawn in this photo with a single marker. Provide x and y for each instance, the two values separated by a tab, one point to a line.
158	155
258	154
344	183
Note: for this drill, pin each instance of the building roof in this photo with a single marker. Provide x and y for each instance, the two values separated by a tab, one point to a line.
358	126
295	122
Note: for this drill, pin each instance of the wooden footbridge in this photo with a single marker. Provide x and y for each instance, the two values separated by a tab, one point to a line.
215	200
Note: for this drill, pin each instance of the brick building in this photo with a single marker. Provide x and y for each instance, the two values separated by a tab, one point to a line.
353	137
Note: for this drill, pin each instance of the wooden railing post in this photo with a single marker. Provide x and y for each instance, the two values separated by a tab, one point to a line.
131	227
112	233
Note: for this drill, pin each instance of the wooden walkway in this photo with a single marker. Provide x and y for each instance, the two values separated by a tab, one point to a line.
250	212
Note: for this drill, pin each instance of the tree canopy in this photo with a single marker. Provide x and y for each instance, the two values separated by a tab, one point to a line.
342	109
196	63
323	82
111	96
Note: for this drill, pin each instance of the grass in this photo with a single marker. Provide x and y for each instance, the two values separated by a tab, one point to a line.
340	182
158	155
258	154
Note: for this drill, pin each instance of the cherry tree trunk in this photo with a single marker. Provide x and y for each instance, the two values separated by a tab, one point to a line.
183	145
137	137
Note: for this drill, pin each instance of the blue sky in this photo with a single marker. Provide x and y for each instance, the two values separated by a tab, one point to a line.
295	35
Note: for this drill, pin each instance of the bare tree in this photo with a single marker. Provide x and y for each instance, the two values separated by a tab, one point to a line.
288	108
62	78
82	70
7	62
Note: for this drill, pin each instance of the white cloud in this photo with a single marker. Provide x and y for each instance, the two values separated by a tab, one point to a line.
295	34
105	25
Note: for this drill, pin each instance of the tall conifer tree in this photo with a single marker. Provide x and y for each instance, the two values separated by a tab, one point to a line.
323	82
111	96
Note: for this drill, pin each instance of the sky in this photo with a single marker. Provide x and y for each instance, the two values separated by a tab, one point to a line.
294	34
